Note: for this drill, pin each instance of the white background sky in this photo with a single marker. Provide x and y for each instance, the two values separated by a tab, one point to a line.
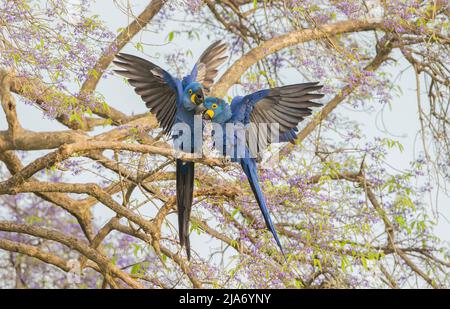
401	121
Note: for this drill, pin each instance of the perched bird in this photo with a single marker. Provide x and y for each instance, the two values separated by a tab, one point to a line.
175	101
283	106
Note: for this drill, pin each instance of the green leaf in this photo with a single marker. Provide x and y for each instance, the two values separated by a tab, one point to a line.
105	106
364	262
33	219
400	220
171	36
16	58
76	117
136	249
234	212
195	228
298	284
344	263
139	46
318	264
93	73
135	269
234	243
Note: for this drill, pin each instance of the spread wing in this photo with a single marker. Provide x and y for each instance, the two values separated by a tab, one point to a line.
206	68
283	106
156	87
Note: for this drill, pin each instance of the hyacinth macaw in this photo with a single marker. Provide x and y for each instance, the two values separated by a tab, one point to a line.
284	106
175	101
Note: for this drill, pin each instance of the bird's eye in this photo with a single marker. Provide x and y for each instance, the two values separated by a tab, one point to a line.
190	91
214	105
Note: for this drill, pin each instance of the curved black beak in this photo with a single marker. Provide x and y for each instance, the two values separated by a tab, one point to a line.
199	97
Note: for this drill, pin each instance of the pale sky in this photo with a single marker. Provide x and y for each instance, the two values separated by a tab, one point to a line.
401	121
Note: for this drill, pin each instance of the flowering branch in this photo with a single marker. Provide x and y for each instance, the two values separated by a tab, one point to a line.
234	73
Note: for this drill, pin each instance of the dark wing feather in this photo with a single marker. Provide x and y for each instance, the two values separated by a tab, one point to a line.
208	63
156	87
285	106
185	188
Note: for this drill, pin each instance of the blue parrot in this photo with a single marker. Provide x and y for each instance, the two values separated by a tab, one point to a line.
175	101
284	106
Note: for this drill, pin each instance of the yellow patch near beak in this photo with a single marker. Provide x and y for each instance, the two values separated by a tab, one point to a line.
210	113
193	98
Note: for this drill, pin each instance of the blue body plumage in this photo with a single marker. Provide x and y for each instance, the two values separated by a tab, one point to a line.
224	114
283	106
174	101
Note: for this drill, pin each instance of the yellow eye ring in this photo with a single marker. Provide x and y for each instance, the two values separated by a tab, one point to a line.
214	106
190	91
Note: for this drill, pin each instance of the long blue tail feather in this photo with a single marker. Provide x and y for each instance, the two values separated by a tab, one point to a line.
250	170
185	187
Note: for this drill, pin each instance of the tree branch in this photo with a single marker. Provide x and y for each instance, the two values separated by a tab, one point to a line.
121	40
32	251
9	105
71	242
381	56
234	73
